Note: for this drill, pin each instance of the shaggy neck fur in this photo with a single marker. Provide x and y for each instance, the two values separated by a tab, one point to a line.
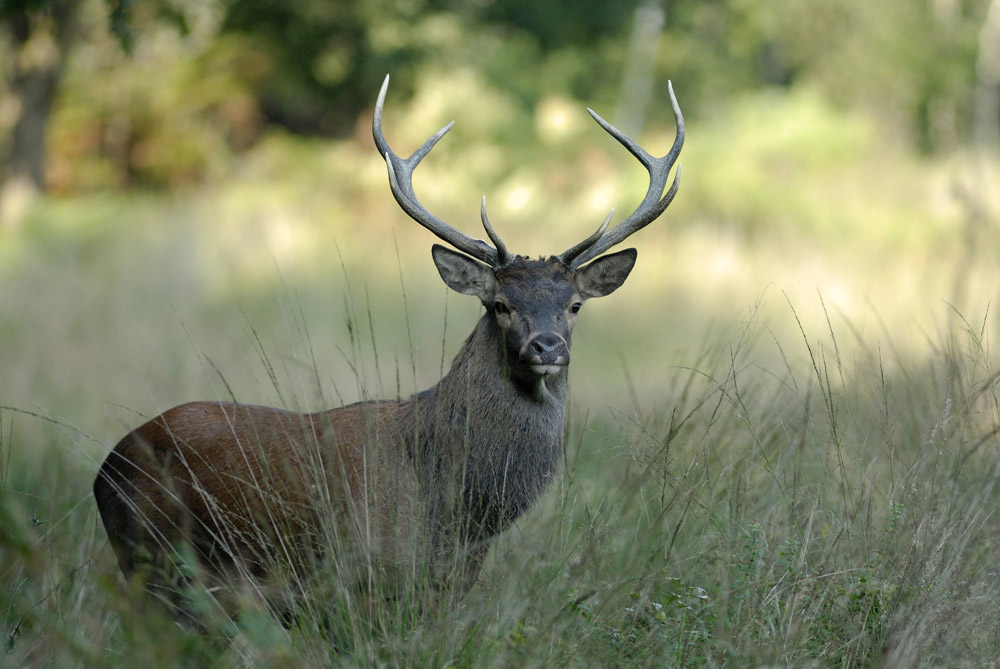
493	434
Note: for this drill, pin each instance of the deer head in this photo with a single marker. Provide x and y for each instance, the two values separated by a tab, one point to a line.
533	303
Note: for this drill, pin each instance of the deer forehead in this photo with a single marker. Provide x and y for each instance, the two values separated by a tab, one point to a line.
540	283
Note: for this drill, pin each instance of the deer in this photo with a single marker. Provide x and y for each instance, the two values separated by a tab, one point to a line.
380	494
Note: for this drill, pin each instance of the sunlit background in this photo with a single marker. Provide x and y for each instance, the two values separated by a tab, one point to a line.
206	186
192	206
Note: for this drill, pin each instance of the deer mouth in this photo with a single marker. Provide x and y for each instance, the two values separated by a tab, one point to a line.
548	370
546	354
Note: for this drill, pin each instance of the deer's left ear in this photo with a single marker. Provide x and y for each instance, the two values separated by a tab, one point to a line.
462	273
604	275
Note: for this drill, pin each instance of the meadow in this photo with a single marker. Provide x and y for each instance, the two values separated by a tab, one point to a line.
784	443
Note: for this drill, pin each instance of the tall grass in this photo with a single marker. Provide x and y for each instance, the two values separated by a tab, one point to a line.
811	486
814	499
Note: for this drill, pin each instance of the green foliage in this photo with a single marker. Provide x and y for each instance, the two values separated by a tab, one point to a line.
114	132
911	65
787	175
201	82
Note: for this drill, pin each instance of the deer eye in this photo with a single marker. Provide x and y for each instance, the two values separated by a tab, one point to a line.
576	307
500	308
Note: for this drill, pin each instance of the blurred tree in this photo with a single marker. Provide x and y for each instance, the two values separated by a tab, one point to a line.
206	77
39	32
576	48
330	56
987	97
910	63
637	82
327	57
561	23
153	97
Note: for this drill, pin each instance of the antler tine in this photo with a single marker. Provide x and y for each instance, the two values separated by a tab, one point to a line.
502	255
653	204
568	256
401	184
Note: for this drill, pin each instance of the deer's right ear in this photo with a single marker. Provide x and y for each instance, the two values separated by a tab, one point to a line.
462	273
606	274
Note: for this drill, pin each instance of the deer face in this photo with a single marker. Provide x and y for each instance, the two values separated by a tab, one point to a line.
534	303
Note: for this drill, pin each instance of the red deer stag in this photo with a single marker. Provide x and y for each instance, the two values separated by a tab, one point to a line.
387	493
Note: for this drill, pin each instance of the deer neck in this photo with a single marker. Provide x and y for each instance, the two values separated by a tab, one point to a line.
492	437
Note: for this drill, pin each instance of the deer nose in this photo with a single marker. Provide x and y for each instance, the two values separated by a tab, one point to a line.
548	349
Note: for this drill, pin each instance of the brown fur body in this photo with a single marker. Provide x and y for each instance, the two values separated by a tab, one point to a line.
387	492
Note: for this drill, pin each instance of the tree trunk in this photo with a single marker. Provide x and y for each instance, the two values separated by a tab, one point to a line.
987	111
637	83
987	94
40	39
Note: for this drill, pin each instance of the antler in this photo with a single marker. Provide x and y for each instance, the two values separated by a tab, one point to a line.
651	206
401	183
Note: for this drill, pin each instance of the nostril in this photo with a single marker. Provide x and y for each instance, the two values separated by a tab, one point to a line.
546	343
548	347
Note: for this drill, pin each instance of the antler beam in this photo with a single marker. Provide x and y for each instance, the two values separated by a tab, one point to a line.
652	204
401	183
